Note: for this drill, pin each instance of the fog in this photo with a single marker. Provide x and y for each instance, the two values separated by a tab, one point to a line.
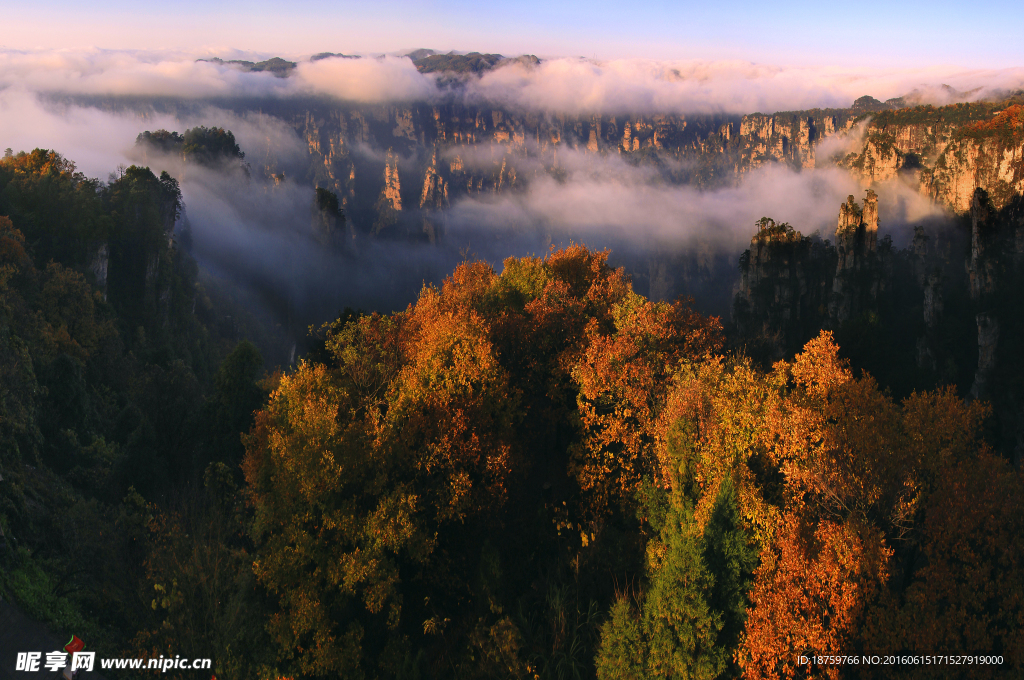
608	200
570	85
259	236
646	86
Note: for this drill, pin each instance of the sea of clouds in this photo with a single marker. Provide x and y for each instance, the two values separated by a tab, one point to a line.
264	237
563	84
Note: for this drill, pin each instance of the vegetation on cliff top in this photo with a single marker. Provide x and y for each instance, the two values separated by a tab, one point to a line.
1007	126
275	65
474	62
205	146
954	114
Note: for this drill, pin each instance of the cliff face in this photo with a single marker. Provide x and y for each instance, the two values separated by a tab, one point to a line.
995	281
789	138
784	289
792	286
944	311
948	151
988	155
446	151
395	170
860	272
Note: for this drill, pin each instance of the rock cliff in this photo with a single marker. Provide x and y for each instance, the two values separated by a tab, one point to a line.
860	273
785	286
451	150
948	152
943	311
791	286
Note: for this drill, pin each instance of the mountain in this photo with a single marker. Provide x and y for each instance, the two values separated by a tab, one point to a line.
276	65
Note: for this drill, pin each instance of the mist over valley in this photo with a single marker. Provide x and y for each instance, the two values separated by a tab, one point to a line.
453	156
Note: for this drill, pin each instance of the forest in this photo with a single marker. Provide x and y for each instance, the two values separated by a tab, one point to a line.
532	471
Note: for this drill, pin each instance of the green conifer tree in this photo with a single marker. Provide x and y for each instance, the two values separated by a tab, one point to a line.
731	557
694	609
623	653
678	621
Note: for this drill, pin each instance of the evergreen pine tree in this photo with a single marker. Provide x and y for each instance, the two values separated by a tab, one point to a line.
623	653
730	556
678	621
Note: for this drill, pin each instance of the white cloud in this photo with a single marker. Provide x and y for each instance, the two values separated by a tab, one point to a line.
607	198
562	84
370	80
647	86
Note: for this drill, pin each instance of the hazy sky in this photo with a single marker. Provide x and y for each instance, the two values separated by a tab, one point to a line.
871	34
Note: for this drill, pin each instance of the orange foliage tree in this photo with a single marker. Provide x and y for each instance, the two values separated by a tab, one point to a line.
858	469
624	374
967	594
364	471
832	482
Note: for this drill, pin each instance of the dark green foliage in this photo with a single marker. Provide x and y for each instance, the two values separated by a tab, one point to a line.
328	205
144	210
104	385
276	65
212	147
652	505
329	55
200	594
57	208
209	146
161	140
237	393
679	625
868	104
692	614
327	200
474	62
731	558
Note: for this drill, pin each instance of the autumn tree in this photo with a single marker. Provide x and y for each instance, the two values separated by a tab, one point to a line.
859	469
625	373
199	589
832	480
427	428
966	593
368	462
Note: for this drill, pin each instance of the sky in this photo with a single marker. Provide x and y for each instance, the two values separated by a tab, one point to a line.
868	34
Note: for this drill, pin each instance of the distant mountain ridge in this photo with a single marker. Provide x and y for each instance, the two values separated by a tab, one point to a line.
276	65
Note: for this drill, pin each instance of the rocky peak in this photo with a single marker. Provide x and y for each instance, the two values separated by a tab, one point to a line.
860	274
328	220
435	188
868	104
981	266
392	185
785	279
857	229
